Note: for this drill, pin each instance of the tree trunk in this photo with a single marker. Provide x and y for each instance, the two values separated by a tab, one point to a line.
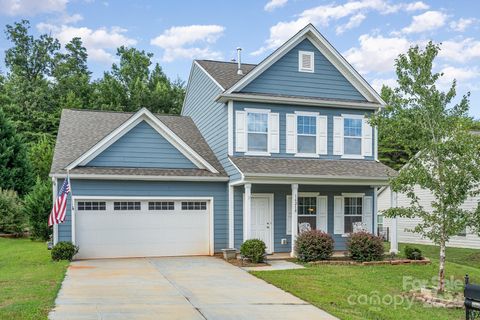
441	269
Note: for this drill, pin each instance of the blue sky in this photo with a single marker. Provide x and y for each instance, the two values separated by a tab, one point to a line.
369	33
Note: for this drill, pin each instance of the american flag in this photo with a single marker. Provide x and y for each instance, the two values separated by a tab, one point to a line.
60	207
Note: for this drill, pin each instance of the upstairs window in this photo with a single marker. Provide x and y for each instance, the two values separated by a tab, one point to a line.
306	134
306	61
352	136
257	131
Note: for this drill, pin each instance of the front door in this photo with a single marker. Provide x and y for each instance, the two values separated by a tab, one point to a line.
262	219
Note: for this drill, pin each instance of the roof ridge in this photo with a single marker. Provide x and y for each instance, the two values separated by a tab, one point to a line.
122	112
231	62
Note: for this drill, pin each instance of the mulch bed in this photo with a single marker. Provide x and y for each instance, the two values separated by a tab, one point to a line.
371	263
241	263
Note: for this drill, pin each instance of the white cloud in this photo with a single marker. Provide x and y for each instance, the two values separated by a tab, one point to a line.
353	22
462	75
462	24
189	42
323	15
31	7
414	6
99	42
377	84
74	18
427	21
460	50
274	4
376	53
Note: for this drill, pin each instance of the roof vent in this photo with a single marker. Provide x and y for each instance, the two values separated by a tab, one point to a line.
239	61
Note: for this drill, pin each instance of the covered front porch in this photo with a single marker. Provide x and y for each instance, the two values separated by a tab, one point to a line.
267	211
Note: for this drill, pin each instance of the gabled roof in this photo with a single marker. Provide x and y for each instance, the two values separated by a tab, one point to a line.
80	131
225	73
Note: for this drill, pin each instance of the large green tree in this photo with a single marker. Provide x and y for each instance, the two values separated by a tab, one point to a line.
447	163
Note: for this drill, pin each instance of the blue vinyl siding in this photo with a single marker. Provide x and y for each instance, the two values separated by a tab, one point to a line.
280	214
217	190
283	110
142	147
210	117
283	78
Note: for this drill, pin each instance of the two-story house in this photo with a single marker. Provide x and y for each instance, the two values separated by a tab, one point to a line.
259	151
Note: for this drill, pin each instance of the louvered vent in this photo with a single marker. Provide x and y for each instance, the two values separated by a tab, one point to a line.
305	61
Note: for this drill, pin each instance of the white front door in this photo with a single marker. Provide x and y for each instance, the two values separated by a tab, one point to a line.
262	219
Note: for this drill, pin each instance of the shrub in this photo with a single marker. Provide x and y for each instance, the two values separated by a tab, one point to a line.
314	245
64	251
413	253
12	219
364	246
37	205
253	249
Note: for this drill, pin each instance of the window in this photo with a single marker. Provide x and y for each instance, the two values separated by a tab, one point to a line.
352	212
257	129
194	205
307	211
352	133
126	205
164	205
91	206
305	61
306	134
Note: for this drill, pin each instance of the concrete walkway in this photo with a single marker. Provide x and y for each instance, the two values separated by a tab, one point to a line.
172	288
276	265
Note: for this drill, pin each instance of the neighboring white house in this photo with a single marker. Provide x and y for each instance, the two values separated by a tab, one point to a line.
465	240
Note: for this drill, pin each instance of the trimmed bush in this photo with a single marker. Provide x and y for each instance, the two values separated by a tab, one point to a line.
37	205
64	251
254	250
12	219
413	253
363	246
314	245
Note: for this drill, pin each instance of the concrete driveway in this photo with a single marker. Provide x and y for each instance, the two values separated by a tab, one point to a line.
173	288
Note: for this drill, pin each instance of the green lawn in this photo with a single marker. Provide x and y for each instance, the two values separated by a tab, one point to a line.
341	290
29	280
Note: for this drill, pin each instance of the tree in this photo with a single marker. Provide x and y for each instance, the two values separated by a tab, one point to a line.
36	206
447	162
12	219
15	169
40	155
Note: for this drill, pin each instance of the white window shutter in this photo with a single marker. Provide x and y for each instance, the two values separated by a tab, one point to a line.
367	213
367	140
338	136
322	131
240	131
338	217
322	217
273	133
289	215
291	133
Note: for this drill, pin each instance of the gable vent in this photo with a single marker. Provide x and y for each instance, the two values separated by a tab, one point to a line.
305	61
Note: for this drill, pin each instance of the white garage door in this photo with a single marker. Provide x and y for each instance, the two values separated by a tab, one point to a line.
142	228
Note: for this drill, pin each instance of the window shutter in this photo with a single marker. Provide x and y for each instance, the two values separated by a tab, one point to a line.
322	129
338	136
338	219
322	217
289	215
273	133
291	133
367	141
367	213
240	131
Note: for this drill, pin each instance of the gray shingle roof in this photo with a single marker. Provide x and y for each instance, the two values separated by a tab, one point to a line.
313	167
225	73
80	130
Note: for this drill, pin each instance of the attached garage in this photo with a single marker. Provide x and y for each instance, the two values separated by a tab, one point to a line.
142	227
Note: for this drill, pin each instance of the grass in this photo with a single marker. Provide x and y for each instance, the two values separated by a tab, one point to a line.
29	280
331	286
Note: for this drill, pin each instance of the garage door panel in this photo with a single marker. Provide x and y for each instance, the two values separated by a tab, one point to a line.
109	233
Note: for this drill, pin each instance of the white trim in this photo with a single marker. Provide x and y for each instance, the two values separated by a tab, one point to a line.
247	208
309	194
211	211
208	74
256	110
93	176
257	153
307	113
143	115
352	116
224	97
231	217
353	194
294	232
375	211
312	181
242	177
352	156
375	144
309	32
54	197
230	127
307	155
270	197
311	55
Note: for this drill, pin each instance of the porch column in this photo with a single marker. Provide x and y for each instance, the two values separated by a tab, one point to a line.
247	212
375	211
231	227
393	231
294	217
